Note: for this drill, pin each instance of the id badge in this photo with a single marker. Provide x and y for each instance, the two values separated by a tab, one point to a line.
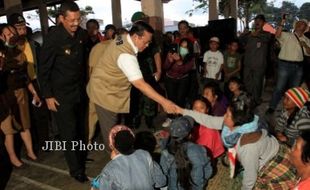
258	44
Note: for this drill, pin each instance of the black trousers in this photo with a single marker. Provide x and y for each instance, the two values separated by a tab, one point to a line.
177	89
39	117
70	119
5	163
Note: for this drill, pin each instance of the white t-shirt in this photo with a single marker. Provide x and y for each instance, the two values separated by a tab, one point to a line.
129	64
213	62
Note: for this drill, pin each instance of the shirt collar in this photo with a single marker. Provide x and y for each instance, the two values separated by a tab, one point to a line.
118	155
135	49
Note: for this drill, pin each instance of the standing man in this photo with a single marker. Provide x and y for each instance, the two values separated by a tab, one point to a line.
255	58
61	80
294	46
110	83
94	36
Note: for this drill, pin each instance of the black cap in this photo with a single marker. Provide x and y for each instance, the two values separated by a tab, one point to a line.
16	18
109	26
261	17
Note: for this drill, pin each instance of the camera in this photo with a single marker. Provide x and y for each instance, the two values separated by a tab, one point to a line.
173	48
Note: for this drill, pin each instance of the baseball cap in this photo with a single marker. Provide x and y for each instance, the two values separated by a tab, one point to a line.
214	39
181	127
138	16
109	26
16	18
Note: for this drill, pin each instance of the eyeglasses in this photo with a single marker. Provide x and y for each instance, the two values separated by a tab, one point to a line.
73	21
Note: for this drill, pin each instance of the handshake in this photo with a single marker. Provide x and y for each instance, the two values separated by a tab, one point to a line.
171	107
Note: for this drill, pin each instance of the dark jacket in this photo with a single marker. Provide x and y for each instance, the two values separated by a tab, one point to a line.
61	68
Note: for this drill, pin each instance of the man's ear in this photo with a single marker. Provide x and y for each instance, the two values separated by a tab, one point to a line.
134	38
61	18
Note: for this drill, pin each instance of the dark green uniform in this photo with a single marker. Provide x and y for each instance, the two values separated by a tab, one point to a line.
140	104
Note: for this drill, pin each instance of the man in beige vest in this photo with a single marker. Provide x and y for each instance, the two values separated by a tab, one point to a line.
94	57
118	69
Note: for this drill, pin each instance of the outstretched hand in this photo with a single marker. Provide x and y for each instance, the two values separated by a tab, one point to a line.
179	110
169	107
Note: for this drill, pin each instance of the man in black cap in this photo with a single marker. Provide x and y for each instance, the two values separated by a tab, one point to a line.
109	32
61	70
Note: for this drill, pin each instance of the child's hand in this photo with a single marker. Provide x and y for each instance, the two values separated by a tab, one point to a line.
281	137
179	110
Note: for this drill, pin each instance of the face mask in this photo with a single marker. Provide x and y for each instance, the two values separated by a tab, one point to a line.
183	52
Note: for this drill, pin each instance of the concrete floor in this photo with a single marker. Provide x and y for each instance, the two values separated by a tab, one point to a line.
51	173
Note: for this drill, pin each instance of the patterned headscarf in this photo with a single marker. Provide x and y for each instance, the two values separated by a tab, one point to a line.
114	131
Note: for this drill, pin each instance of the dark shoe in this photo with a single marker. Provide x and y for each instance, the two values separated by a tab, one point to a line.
269	111
81	178
89	160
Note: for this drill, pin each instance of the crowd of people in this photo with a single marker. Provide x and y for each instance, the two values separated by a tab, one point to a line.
80	77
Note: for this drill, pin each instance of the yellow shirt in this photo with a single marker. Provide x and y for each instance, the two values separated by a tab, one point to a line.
30	60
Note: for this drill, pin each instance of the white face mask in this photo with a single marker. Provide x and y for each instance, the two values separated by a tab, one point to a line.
12	42
183	52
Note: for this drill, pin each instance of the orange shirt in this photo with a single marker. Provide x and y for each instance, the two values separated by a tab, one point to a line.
303	185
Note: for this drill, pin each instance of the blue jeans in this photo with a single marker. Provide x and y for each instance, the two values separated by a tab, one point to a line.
289	76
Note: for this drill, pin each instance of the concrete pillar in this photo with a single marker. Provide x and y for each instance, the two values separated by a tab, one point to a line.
43	18
154	9
116	13
213	14
234	8
13	6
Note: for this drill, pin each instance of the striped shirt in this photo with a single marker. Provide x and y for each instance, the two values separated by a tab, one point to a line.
301	121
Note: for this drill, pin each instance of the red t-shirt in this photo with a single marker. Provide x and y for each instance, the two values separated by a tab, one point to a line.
210	139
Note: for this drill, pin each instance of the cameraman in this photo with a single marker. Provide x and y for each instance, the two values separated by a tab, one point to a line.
178	64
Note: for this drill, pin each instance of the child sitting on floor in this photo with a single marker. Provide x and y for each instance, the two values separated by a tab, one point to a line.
209	138
215	96
129	169
295	117
186	164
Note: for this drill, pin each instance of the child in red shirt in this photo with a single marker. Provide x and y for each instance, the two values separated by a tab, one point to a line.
209	138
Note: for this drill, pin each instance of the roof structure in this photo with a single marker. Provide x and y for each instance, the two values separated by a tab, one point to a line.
29	4
164	1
